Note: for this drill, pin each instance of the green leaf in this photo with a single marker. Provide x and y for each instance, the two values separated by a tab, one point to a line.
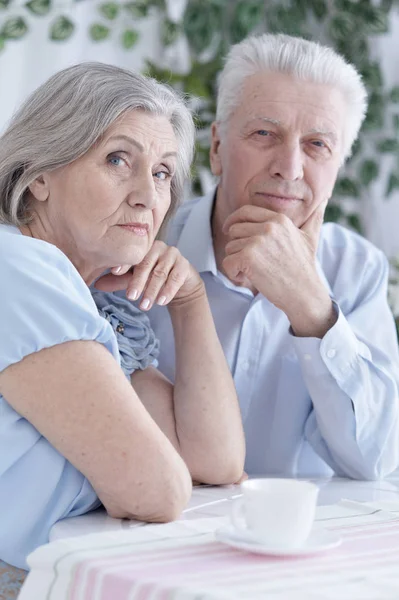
342	26
14	28
354	222
61	29
138	9
369	170
395	122
388	145
247	15
372	75
333	213
163	75
4	4
170	31
129	38
110	10
319	8
376	20
393	184
99	32
290	21
375	113
39	7
201	21
394	95
2	43
346	187
356	147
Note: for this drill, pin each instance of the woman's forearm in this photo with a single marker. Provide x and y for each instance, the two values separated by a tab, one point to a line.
207	414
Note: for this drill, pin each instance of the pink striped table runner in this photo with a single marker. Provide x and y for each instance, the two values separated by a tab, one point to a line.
183	561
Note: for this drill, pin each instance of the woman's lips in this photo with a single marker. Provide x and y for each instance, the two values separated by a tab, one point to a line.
140	229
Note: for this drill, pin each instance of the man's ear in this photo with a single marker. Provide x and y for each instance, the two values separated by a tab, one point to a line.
39	188
214	153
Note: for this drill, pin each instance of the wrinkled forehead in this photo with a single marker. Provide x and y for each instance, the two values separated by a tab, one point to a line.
144	125
289	102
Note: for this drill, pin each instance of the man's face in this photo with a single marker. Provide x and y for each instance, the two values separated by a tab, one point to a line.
281	148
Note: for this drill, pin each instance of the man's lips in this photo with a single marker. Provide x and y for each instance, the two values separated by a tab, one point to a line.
140	229
280	197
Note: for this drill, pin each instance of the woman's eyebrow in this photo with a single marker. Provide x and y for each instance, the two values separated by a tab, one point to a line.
137	144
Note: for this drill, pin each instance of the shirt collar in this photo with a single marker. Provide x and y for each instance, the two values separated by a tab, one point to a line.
195	242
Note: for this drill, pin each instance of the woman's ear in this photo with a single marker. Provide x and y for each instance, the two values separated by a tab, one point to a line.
39	188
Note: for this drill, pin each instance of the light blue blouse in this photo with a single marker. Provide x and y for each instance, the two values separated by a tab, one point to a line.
45	302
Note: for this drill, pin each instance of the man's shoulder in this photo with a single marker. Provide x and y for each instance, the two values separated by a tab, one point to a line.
346	256
179	219
338	241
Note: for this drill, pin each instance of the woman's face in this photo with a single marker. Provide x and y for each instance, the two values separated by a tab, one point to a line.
105	209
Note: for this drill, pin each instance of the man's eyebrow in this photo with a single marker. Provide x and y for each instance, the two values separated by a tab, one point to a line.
137	144
326	134
265	119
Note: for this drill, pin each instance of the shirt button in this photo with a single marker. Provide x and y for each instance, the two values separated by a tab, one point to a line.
331	353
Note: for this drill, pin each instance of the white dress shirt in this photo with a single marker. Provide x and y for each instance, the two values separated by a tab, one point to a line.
309	406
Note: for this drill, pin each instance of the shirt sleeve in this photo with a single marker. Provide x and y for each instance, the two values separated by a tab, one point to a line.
44	301
352	374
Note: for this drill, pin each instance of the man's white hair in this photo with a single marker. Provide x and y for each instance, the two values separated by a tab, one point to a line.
307	61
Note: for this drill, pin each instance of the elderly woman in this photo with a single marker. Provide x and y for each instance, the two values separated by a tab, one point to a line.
90	168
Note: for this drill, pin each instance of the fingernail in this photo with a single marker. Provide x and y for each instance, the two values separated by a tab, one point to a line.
133	295
145	304
116	270
162	300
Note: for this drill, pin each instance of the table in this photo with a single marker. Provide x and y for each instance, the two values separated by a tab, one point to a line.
94	557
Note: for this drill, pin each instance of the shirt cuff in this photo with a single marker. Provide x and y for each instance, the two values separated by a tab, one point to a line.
337	352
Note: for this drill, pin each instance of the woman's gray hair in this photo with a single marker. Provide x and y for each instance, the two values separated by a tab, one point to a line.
307	61
65	116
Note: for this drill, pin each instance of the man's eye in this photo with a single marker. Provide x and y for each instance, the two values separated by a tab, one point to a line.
319	143
263	132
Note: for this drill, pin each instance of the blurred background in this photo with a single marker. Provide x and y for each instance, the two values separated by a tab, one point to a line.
182	42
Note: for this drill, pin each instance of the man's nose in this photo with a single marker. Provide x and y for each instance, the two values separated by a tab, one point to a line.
143	192
287	162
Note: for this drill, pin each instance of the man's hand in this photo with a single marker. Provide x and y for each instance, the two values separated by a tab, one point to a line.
279	260
164	276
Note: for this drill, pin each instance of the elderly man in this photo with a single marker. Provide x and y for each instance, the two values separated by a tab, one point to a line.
300	308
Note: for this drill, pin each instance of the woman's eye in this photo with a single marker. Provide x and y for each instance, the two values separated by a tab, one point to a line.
162	175
115	160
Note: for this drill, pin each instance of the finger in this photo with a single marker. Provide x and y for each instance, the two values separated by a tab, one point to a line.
177	277
236	246
248	213
113	283
120	269
142	271
246	230
313	224
157	279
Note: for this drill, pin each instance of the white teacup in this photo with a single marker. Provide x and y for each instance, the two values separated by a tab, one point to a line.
277	512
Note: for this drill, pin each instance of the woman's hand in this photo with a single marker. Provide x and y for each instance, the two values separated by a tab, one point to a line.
163	277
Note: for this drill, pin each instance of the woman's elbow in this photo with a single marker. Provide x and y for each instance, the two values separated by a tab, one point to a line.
158	502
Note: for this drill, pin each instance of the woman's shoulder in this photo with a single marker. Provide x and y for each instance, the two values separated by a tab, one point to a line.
43	300
21	253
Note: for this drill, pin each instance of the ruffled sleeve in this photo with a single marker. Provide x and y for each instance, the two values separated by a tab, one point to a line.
138	346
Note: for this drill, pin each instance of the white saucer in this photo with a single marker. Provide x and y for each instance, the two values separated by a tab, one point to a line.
319	540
